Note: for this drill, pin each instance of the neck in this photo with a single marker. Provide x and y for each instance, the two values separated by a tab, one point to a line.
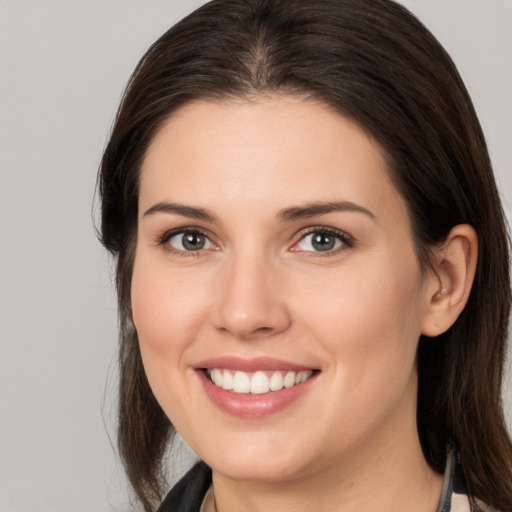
387	473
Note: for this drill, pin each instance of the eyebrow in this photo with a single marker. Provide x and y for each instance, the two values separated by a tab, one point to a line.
305	211
313	209
184	210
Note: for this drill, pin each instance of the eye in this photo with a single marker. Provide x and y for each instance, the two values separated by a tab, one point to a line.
188	241
323	240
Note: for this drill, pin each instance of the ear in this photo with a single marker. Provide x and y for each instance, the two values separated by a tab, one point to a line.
448	288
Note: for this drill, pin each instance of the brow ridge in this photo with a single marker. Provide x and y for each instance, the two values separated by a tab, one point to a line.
320	208
181	209
305	211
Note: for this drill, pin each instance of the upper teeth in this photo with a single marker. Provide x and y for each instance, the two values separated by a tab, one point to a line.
258	382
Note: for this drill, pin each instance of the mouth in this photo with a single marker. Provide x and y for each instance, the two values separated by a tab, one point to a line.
256	387
258	382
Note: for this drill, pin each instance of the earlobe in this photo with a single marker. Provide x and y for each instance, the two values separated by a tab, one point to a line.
448	288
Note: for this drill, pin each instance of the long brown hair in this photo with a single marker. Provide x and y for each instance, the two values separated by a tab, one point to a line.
375	63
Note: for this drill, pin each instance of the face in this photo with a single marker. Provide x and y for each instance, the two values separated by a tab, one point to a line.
276	291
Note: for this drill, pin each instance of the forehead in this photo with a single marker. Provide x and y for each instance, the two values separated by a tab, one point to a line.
265	152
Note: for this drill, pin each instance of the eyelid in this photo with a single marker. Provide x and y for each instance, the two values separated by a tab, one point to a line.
163	239
347	240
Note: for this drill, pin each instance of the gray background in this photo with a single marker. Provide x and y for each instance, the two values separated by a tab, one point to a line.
63	65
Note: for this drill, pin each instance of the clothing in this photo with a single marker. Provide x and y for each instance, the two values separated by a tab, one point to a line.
454	494
188	494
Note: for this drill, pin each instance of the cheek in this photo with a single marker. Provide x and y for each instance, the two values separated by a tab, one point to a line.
368	320
167	313
357	301
165	307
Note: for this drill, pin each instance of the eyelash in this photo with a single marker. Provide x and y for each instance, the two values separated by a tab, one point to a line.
346	240
163	240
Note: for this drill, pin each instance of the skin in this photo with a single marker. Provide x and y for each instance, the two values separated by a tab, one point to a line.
259	288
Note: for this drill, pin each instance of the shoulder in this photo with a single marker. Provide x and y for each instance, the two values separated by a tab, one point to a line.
187	495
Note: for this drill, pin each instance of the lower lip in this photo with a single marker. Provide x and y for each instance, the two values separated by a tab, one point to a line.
253	406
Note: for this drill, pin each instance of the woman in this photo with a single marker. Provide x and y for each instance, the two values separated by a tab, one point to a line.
312	265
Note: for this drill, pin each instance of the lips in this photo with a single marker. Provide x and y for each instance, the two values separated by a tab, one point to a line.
255	387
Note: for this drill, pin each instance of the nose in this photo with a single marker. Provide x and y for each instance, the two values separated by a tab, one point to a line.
251	303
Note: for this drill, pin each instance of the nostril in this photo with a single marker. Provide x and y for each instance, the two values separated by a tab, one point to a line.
263	329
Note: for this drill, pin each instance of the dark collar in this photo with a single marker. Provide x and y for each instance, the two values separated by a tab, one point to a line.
188	494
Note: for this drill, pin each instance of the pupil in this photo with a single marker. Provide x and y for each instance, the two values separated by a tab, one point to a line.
323	242
193	241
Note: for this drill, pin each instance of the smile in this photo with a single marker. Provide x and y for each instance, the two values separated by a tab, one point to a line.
253	388
256	383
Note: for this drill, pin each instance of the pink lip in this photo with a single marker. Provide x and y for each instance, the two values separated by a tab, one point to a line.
247	405
250	365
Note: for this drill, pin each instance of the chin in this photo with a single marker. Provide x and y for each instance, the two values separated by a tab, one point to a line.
264	470
260	460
